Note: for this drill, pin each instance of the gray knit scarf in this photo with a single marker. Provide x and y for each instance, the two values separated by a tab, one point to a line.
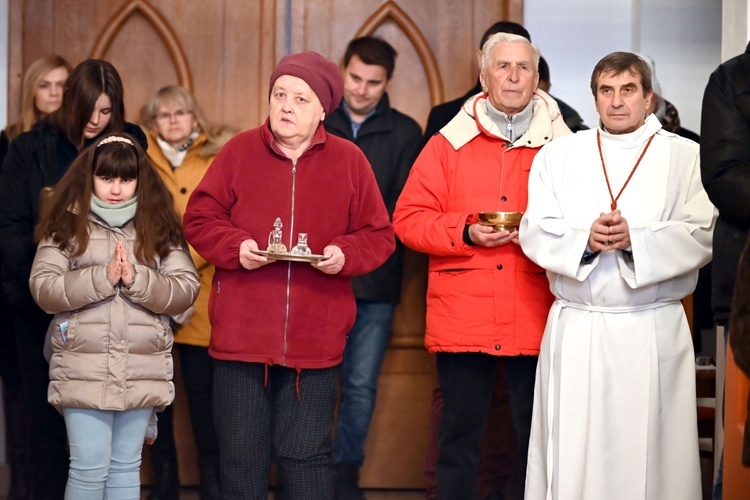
115	215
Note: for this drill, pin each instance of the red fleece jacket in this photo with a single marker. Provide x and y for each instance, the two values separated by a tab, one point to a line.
286	313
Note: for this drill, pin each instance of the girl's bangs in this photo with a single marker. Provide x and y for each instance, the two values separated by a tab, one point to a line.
116	162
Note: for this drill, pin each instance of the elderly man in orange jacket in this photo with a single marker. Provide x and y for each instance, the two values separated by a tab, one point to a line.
486	301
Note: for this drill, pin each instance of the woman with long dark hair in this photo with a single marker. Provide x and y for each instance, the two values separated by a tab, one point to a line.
41	94
92	106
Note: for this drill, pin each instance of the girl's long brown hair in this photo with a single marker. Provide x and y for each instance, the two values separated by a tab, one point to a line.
64	211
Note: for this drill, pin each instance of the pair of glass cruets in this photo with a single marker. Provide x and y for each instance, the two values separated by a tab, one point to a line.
275	244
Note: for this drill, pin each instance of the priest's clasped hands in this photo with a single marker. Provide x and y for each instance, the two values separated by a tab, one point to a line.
609	232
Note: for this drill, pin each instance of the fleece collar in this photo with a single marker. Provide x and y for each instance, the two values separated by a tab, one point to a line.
473	119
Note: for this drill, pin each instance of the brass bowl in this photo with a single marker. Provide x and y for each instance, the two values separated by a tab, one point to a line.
501	221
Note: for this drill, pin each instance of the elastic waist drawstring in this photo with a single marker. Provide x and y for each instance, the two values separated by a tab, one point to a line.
296	382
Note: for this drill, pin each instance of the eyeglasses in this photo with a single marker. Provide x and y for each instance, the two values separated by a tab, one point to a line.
178	115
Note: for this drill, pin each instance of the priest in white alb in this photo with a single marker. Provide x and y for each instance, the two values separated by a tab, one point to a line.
618	217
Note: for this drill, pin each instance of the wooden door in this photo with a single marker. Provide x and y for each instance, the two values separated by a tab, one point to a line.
224	51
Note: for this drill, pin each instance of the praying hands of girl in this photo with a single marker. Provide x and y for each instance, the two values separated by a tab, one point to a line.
120	268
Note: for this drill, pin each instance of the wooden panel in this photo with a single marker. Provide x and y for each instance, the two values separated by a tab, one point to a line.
687	304
451	29
229	49
223	49
396	446
249	56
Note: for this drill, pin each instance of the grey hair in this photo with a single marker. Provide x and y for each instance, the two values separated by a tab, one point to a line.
508	38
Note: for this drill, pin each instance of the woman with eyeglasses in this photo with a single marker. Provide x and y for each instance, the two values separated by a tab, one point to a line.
182	145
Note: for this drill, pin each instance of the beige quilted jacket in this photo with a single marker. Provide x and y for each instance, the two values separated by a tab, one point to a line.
111	346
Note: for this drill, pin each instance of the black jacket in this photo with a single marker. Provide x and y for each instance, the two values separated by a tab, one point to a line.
391	142
32	163
725	166
441	114
4	144
571	117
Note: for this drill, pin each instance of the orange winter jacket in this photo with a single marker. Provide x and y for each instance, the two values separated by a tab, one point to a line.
491	300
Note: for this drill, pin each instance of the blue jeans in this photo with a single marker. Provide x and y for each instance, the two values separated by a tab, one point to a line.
365	349
105	453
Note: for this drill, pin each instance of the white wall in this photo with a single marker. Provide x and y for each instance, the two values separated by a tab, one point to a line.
682	36
735	27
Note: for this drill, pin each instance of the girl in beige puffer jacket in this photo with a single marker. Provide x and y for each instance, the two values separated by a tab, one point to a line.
113	267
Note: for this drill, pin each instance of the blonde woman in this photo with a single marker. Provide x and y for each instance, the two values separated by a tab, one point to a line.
182	145
43	85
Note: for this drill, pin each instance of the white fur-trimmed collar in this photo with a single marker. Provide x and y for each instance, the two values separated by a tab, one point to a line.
465	126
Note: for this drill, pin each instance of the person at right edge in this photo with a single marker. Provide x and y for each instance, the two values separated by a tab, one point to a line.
725	171
486	301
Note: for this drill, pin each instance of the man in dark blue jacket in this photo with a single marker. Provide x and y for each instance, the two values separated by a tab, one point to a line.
391	142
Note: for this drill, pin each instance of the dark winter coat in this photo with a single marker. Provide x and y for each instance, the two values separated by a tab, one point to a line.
441	114
391	142
725	166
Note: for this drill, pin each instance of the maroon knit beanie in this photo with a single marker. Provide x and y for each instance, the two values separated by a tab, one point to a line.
319	73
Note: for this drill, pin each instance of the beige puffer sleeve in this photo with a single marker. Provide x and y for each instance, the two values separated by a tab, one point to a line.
171	289
57	288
